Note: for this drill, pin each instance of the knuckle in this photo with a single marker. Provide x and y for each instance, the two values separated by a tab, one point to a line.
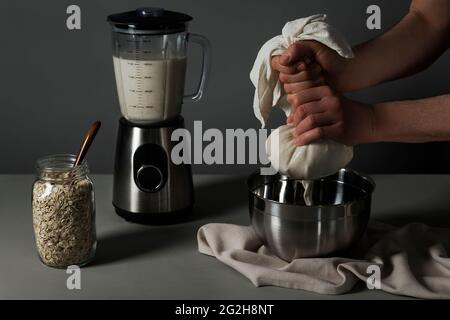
310	111
306	85
311	120
301	141
299	86
283	77
294	115
302	109
289	99
319	132
296	100
274	61
293	99
299	112
287	88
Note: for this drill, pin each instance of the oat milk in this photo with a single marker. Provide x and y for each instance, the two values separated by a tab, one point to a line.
150	90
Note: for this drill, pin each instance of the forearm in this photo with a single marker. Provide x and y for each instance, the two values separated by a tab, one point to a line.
412	121
409	47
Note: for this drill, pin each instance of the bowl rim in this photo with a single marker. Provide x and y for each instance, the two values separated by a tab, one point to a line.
365	177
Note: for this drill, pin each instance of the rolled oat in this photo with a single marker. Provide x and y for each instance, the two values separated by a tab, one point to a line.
64	220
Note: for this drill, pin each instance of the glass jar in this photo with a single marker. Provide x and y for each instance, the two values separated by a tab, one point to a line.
63	212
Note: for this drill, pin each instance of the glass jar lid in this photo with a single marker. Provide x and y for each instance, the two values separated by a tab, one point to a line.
150	19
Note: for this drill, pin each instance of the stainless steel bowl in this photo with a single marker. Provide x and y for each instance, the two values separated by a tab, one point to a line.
335	221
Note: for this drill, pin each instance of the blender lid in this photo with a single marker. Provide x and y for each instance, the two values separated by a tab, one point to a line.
150	19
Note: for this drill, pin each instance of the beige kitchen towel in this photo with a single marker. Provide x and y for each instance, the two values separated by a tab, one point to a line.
413	261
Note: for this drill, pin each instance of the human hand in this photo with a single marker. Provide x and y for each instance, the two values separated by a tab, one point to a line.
332	65
320	113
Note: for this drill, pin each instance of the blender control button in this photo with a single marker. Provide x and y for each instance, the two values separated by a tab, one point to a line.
150	12
149	178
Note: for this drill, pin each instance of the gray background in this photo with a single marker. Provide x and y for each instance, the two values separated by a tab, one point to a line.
55	82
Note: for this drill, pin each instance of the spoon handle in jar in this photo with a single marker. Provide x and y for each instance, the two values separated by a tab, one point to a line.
87	141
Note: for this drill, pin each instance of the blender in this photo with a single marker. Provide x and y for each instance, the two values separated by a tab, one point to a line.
150	57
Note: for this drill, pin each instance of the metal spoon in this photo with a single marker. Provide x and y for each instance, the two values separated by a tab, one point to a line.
87	141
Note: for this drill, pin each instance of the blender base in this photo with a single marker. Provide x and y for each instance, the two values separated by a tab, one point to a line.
161	218
148	187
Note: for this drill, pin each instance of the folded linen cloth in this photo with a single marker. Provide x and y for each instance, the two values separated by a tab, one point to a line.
413	261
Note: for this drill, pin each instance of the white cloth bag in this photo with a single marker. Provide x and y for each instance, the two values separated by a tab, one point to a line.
317	159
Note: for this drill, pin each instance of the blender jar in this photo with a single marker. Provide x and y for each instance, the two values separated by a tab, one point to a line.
149	55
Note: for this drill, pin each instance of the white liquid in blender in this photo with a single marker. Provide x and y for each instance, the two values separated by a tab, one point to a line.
150	90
